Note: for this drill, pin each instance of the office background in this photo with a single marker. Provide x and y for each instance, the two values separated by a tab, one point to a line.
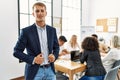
10	66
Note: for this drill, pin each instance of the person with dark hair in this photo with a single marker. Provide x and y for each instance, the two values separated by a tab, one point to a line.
41	43
62	54
91	55
102	47
63	38
95	36
61	41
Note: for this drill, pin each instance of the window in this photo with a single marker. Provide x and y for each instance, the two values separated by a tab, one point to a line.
71	18
25	17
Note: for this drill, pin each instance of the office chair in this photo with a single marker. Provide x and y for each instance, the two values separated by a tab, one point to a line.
116	63
112	74
61	77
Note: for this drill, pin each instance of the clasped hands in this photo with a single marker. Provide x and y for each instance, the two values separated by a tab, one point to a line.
39	58
63	52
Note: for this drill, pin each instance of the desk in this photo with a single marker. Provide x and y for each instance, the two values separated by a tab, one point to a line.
69	67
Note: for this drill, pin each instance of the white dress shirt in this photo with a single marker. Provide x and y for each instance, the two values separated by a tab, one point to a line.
42	33
109	59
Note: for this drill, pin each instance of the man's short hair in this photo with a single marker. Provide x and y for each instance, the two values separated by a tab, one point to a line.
63	38
95	35
39	4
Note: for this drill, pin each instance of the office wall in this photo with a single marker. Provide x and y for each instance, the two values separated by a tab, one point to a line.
9	66
97	9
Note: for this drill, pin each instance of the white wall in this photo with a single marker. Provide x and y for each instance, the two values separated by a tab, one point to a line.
97	9
9	66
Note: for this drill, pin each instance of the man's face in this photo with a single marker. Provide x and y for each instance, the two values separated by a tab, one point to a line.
61	42
39	13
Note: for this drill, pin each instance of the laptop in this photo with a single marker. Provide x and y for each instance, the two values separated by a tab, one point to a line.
75	55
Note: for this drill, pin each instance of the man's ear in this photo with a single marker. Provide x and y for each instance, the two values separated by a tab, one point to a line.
33	14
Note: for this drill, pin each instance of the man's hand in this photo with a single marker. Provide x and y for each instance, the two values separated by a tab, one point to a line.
39	59
51	58
65	51
62	53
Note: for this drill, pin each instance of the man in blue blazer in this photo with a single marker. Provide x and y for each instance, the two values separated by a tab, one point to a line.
41	43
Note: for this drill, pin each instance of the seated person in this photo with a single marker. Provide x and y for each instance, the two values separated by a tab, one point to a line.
61	42
91	55
62	53
112	56
72	45
102	47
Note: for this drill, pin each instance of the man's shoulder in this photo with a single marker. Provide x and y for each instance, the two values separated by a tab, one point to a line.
29	27
51	27
103	45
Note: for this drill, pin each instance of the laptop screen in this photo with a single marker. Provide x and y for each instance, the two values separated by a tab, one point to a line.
74	55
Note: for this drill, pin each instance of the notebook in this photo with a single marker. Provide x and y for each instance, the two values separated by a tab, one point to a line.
74	55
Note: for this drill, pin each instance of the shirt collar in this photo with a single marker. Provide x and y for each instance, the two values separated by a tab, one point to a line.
41	28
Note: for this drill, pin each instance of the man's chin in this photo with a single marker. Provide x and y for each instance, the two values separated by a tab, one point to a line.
40	21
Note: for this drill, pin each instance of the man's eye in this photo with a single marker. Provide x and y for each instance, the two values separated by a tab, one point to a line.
42	10
37	11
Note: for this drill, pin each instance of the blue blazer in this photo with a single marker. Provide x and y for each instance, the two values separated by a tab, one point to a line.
29	40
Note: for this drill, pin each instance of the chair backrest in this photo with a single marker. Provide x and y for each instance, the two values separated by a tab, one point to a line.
112	74
116	63
61	77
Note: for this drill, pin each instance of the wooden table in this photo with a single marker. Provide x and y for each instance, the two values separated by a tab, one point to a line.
69	67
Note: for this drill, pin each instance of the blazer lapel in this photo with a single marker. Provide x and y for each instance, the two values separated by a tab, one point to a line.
48	37
36	38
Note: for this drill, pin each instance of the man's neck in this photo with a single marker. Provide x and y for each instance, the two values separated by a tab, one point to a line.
41	23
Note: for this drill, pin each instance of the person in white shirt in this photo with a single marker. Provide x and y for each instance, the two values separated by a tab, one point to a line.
103	48
73	45
112	56
63	51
